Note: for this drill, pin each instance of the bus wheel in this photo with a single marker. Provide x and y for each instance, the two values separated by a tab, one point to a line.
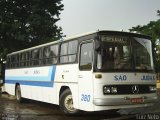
18	94
66	103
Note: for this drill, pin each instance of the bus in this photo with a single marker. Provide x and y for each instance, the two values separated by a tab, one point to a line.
96	71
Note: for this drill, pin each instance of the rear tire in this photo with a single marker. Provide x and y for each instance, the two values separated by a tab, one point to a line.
66	103
18	94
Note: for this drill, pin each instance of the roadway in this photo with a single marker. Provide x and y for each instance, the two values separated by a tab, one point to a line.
33	110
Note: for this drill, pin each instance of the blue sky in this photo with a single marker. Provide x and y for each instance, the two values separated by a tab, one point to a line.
80	16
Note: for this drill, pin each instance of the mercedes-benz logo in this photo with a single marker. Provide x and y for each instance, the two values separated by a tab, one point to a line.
135	89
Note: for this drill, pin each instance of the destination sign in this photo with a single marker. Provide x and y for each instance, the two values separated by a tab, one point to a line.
114	39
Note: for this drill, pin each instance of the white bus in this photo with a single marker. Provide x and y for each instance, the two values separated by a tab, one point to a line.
102	70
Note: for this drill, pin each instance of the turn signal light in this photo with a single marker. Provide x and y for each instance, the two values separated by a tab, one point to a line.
98	76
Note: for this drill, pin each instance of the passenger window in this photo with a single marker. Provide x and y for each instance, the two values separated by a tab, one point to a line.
72	50
68	52
15	61
35	57
22	60
12	61
63	54
27	58
54	50
50	54
86	56
64	49
8	62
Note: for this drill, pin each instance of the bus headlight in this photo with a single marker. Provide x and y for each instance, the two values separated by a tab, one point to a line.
114	89
106	90
109	90
152	88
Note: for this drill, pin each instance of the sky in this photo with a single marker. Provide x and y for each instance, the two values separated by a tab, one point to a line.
81	16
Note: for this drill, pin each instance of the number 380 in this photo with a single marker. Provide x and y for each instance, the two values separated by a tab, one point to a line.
85	98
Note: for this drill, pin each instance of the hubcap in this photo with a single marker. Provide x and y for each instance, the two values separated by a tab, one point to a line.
68	103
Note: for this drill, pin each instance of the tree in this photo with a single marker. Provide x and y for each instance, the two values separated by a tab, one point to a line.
152	29
158	12
26	23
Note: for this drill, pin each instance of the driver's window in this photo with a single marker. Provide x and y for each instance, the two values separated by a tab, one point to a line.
86	56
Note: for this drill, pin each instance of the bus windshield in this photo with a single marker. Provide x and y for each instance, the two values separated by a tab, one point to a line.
125	54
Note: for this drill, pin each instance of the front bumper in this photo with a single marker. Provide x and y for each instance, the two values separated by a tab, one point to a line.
123	101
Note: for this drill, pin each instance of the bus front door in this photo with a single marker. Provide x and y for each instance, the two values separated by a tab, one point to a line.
85	74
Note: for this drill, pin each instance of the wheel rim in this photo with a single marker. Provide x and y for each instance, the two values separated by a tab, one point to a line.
68	103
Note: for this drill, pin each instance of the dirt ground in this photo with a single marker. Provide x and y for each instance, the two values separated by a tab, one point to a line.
33	110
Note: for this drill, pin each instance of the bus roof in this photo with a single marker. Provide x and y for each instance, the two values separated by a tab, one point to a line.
78	36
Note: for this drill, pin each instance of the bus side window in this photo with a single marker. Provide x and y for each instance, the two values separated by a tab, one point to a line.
68	52
86	56
53	54
13	61
72	50
35	54
50	54
22	59
27	58
46	54
8	62
63	53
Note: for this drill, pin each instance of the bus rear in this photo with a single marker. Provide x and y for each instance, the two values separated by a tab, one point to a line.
124	75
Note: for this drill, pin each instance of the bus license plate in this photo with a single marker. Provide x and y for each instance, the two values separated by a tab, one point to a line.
137	100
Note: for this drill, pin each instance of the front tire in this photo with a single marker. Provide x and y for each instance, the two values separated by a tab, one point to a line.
66	103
